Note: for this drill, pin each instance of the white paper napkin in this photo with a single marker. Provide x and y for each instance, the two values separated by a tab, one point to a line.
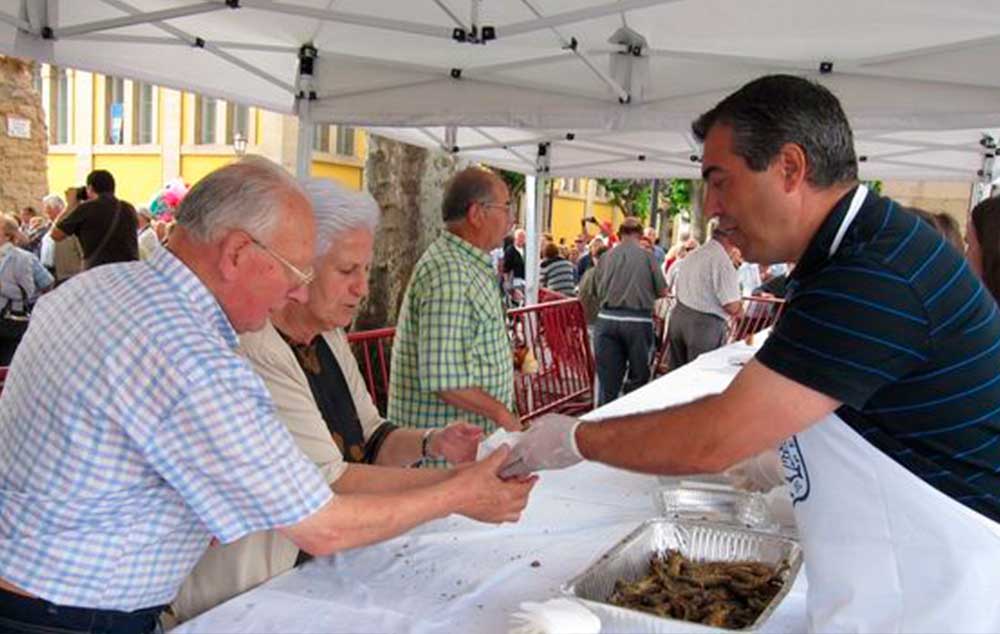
500	437
558	616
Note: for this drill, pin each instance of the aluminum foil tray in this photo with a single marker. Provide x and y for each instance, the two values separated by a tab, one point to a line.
714	504
703	541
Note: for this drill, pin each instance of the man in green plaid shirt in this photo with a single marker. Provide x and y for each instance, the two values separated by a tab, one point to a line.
451	357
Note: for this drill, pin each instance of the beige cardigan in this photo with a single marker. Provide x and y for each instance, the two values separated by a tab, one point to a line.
225	571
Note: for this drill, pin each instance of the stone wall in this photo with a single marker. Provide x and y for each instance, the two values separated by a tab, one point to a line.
933	196
23	167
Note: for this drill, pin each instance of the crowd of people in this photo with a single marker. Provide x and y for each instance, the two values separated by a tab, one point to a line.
86	227
636	304
179	425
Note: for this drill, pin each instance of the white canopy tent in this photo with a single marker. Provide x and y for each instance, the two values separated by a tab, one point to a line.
649	65
625	77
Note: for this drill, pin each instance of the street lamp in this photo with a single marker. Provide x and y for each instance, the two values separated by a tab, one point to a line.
239	144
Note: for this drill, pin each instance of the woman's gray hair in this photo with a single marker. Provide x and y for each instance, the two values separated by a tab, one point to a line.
338	209
53	201
248	195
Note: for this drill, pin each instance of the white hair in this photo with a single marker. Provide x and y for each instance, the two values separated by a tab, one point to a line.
53	201
248	195
337	210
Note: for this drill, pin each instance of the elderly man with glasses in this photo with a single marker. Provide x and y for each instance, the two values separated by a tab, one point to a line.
451	357
134	433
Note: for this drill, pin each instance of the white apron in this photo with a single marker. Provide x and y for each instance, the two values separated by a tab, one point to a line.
884	550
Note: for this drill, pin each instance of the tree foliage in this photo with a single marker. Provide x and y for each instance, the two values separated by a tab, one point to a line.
677	192
632	196
514	181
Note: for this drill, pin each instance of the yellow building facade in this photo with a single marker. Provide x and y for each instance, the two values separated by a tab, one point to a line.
148	135
573	200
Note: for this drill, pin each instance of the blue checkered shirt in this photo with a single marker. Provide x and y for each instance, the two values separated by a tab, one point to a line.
131	432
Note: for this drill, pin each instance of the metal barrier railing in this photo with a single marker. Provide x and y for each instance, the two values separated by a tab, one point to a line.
561	379
758	313
557	375
372	349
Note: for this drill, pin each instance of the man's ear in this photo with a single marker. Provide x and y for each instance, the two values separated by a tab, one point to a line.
233	250
475	215
794	166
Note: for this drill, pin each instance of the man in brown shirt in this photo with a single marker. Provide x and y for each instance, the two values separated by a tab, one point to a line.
107	227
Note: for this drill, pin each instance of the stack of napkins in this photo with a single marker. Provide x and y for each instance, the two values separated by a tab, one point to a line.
558	616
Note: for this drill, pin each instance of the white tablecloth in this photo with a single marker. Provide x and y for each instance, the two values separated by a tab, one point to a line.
456	575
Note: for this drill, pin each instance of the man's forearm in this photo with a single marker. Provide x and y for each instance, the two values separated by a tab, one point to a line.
477	401
364	478
349	521
680	440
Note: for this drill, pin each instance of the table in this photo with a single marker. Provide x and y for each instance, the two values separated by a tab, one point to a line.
457	575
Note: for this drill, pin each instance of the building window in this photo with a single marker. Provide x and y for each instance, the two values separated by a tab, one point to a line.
345	140
206	125
114	110
321	138
237	122
572	186
143	111
59	106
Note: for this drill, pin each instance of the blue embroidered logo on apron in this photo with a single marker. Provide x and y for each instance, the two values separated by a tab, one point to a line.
796	472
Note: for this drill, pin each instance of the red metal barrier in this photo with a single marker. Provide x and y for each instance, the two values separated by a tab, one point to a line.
758	313
554	332
372	350
3	377
545	295
556	335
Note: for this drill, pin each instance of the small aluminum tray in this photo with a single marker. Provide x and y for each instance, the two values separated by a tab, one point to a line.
629	559
715	504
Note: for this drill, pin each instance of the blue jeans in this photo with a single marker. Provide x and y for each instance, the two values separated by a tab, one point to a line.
24	615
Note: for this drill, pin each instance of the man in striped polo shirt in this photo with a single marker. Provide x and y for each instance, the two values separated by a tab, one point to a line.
880	382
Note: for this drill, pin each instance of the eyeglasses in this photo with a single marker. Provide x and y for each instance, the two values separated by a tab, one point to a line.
304	278
508	206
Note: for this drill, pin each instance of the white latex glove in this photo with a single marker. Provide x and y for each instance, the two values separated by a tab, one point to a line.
549	443
762	472
558	616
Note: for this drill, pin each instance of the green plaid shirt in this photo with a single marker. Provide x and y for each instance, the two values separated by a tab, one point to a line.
451	334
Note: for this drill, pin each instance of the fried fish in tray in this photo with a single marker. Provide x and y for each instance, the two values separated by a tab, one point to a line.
727	594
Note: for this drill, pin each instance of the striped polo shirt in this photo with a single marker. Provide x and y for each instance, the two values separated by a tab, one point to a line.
898	328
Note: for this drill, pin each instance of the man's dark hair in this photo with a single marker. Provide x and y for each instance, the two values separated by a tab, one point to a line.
101	181
778	109
986	224
81	194
473	184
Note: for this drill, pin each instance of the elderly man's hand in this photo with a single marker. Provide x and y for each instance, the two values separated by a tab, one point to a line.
456	443
487	497
549	443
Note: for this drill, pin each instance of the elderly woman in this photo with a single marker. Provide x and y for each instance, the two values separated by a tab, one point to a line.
320	395
22	280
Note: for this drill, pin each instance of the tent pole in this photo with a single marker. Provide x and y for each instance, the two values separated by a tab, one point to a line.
304	142
533	223
983	188
303	106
